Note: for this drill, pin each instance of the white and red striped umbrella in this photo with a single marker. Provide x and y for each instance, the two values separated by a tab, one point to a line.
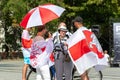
41	15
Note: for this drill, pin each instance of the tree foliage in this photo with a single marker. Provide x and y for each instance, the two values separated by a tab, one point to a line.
93	12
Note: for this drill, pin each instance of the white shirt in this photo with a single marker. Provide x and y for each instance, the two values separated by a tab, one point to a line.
107	57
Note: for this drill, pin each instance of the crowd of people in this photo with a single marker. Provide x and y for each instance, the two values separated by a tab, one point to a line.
48	53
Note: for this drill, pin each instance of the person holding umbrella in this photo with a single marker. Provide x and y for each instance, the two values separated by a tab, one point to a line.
34	18
40	53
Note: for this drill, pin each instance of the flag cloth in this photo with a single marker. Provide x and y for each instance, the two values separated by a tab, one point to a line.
26	39
26	43
40	53
51	60
85	50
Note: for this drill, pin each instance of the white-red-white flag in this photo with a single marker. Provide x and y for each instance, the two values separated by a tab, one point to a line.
40	53
51	60
26	43
85	50
26	39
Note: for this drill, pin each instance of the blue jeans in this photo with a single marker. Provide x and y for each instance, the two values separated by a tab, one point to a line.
52	70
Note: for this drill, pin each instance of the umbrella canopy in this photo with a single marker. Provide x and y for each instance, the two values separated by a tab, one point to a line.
41	15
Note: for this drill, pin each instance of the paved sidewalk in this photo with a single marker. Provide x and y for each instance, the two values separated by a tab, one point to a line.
12	70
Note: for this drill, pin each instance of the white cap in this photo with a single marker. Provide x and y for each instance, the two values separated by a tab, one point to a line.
63	28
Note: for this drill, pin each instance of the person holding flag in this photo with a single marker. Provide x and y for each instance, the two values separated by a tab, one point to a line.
26	49
85	50
40	53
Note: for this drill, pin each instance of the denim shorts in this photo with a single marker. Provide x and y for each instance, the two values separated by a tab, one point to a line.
26	60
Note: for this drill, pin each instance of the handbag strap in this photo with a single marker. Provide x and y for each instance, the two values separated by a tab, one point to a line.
61	45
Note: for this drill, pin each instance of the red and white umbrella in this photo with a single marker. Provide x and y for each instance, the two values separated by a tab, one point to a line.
41	15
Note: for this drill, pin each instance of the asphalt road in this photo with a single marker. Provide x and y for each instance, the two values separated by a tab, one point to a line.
12	70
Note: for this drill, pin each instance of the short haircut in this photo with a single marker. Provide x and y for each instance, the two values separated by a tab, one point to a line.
40	28
78	19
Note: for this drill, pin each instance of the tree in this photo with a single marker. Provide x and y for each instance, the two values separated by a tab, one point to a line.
12	11
93	12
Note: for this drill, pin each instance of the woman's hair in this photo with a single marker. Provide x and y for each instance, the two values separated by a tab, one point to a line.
47	34
40	28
